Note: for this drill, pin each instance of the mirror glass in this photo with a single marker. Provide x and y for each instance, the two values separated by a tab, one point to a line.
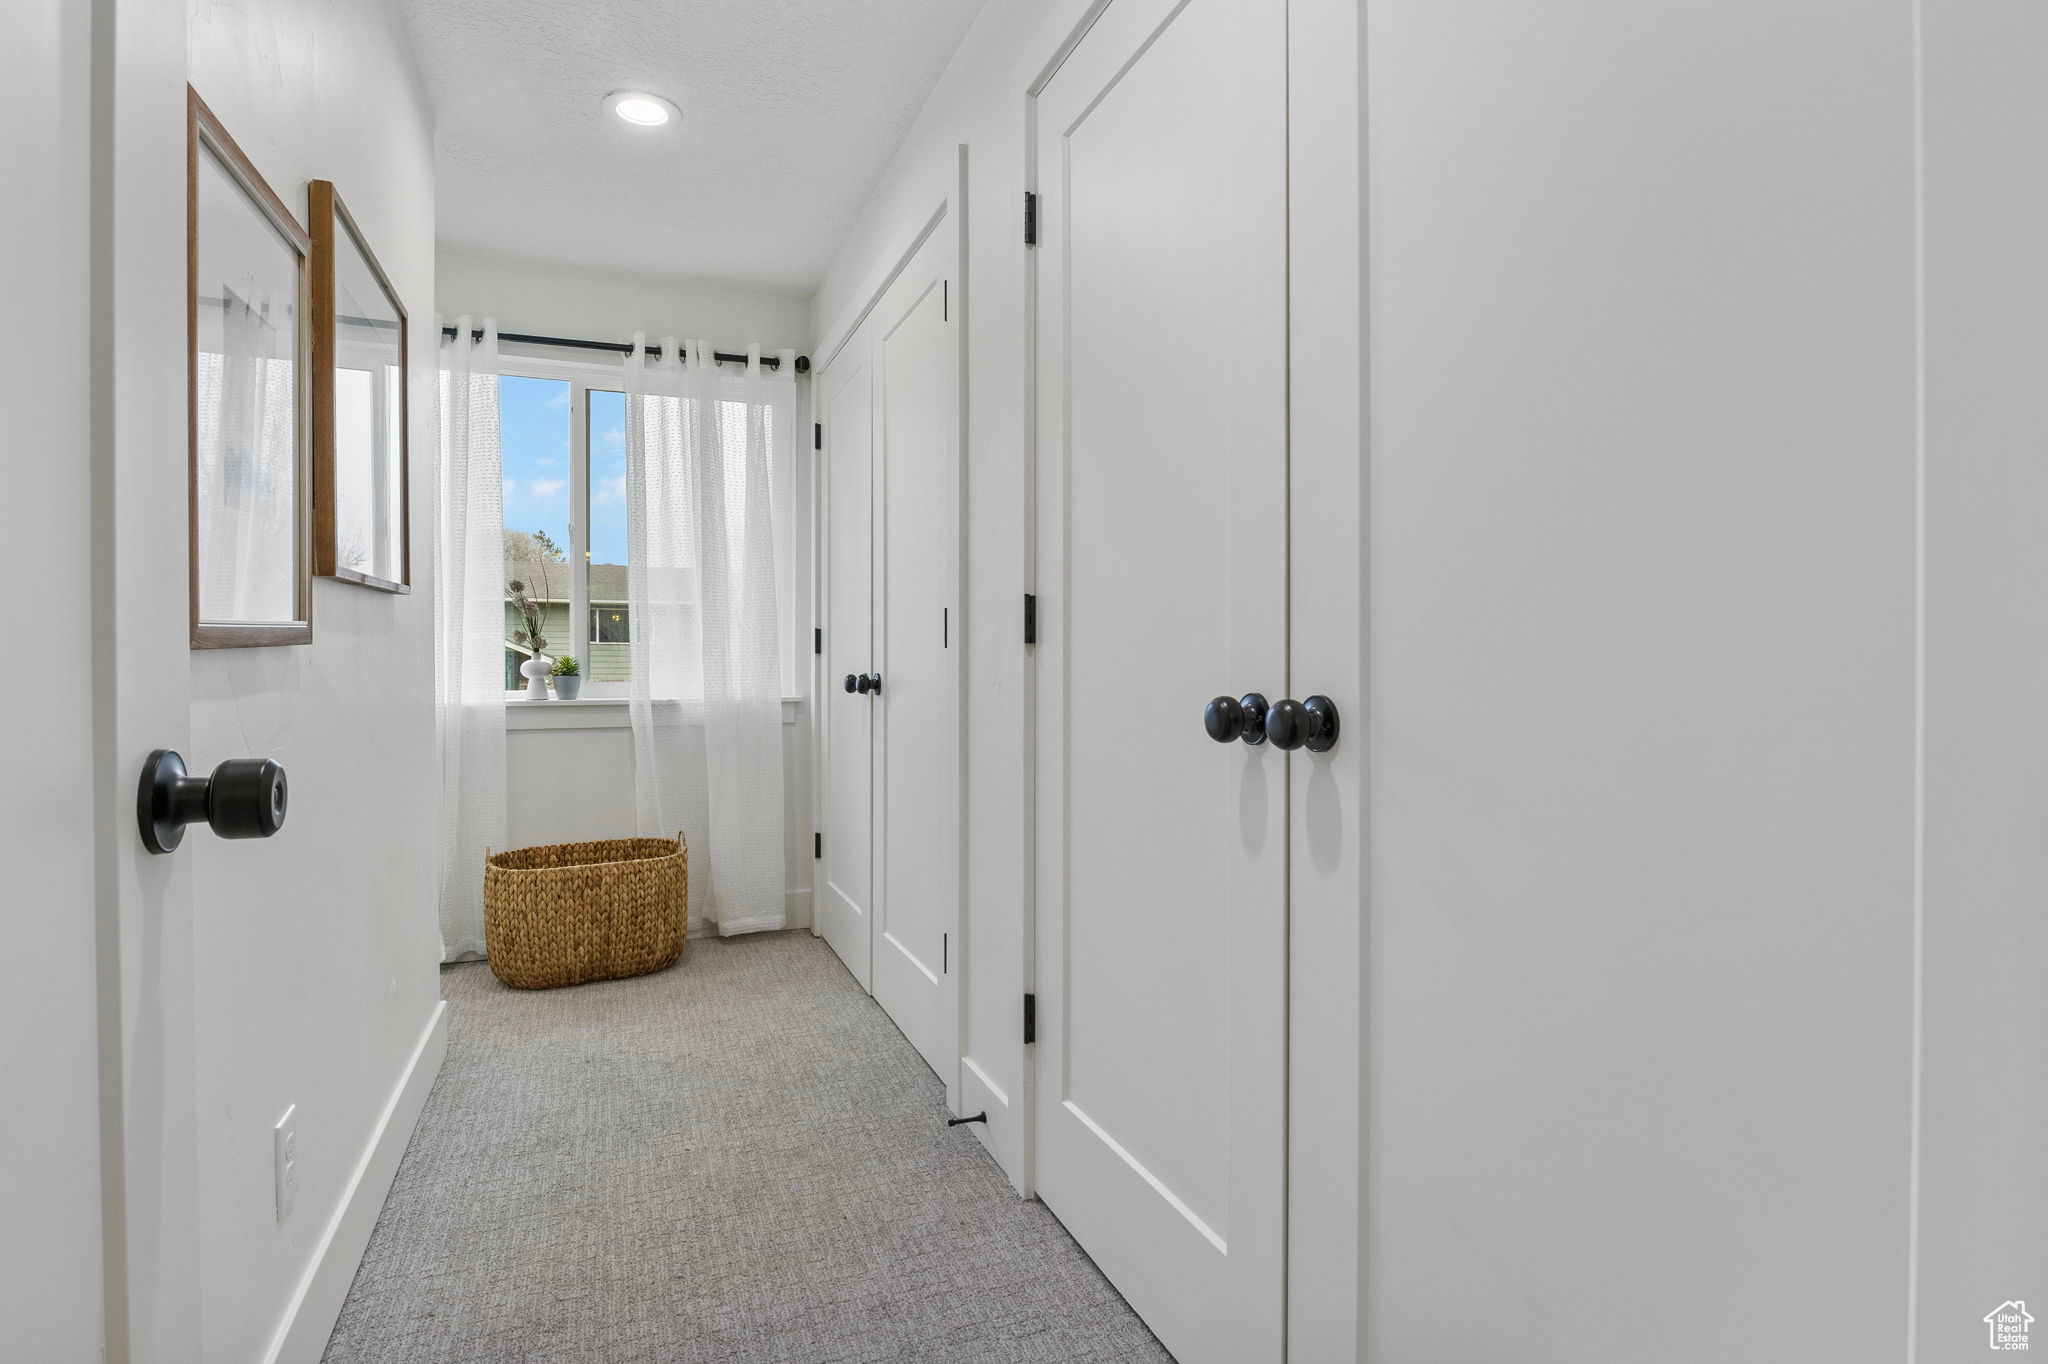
369	417
246	385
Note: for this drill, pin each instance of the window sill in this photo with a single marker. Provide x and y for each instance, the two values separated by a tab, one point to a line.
596	712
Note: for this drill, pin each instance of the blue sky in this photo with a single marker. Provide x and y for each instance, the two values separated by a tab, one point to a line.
533	424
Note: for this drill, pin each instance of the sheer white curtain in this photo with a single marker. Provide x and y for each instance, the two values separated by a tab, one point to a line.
704	443
469	632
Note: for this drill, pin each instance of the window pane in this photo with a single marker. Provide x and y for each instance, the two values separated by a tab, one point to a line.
533	424
610	659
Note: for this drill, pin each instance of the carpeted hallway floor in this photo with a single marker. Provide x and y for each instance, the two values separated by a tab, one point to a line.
737	1159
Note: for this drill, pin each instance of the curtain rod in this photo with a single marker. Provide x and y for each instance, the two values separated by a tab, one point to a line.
803	362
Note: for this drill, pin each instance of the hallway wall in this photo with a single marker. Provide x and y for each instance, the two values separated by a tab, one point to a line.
979	103
315	951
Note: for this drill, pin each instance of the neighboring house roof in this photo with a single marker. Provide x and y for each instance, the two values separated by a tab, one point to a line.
607	581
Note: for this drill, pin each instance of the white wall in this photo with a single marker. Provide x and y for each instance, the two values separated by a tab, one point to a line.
569	776
315	951
980	103
1984	1032
1642	554
50	1280
547	298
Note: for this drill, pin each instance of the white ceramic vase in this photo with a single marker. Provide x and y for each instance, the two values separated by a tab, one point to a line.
535	671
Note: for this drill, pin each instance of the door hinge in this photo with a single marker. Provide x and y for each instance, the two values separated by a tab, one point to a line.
945	954
1030	218
817	640
1030	1019
817	845
945	300
1030	618
817	435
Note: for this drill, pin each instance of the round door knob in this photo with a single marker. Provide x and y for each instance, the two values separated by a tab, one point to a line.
244	798
1243	718
875	684
849	682
866	683
1310	724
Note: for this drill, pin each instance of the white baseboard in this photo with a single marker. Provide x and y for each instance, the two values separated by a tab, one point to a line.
309	1321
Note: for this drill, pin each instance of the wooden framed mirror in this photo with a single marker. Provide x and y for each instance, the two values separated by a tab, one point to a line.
247	418
361	348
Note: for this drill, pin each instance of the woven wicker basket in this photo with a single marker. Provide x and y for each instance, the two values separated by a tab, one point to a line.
567	913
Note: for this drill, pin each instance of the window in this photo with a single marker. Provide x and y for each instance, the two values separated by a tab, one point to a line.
605	514
563	428
533	425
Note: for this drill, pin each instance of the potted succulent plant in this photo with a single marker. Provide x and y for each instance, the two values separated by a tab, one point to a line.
568	675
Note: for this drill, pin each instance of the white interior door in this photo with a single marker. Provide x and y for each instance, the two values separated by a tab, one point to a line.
1162	582
51	1289
917	575
845	406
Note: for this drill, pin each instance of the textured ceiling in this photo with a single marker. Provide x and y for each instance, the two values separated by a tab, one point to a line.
791	111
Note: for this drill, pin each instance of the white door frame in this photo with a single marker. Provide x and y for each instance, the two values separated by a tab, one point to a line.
1327	648
141	687
944	243
824	897
948	214
52	1249
1329	932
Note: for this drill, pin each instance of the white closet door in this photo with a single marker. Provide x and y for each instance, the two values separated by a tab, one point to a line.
1162	582
917	734
845	404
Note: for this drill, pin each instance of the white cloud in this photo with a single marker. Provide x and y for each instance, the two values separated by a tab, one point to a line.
561	399
611	490
615	437
546	487
510	488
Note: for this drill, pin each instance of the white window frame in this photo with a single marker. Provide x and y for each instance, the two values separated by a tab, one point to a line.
608	376
582	376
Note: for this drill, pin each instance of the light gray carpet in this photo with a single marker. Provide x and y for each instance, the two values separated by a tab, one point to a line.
737	1159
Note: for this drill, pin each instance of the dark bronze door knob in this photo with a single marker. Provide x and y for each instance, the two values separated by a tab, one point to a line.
1310	724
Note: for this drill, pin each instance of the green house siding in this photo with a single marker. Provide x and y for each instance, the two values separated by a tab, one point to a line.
611	662
606	663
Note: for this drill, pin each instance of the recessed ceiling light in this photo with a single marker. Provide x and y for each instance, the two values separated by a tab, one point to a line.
641	109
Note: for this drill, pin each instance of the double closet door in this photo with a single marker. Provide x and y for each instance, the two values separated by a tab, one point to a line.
1163	582
889	712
